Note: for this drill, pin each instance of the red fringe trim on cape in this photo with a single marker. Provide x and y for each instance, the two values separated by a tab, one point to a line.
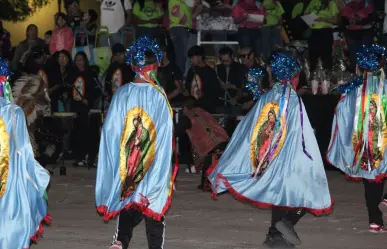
378	179
143	206
264	205
39	233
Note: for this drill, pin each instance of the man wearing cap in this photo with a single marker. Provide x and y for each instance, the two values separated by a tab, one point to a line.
135	173
118	72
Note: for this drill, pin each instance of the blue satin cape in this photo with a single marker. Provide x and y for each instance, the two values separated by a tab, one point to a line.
23	207
154	192
341	151
292	179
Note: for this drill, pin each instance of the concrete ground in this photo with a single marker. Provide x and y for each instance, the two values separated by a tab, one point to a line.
195	221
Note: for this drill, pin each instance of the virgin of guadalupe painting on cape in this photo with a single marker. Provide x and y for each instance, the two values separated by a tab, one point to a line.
264	149
372	154
138	144
4	157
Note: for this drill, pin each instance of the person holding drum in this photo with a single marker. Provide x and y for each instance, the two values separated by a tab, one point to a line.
23	182
135	173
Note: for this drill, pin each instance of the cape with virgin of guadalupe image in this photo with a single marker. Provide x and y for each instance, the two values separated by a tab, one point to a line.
23	182
273	158
359	129
135	168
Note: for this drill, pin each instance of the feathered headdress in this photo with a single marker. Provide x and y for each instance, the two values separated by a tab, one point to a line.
5	88
284	67
371	58
254	76
135	56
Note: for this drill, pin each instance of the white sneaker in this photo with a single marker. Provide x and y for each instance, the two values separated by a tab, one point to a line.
116	245
191	169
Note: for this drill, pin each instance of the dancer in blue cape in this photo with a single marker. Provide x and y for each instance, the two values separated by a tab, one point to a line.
273	160
23	182
135	172
359	132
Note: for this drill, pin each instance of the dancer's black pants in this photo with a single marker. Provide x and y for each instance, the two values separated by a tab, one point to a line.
128	220
374	195
279	214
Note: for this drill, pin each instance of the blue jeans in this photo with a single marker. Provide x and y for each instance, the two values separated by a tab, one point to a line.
271	38
180	38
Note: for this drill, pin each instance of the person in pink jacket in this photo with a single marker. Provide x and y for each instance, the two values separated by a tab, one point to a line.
62	36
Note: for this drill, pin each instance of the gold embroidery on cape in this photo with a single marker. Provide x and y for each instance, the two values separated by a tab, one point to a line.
263	135
373	133
4	157
137	149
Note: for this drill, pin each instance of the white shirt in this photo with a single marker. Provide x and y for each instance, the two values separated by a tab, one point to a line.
113	14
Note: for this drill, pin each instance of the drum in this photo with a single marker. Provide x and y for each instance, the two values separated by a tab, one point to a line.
66	120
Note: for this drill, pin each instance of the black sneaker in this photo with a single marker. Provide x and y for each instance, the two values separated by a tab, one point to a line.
276	241
286	228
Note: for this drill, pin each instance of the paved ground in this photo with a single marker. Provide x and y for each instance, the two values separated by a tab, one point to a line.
197	222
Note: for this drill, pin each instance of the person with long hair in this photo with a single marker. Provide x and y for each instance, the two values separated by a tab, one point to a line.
320	41
62	36
59	81
359	132
82	81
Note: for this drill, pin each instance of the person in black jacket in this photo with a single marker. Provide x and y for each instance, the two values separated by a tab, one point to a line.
82	96
202	81
118	72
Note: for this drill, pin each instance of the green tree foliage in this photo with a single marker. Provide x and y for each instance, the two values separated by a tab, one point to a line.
19	10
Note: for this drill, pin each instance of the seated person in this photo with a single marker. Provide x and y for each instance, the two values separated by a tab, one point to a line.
204	132
202	82
118	72
231	74
248	58
170	78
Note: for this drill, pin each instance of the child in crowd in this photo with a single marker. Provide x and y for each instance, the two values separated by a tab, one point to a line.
62	36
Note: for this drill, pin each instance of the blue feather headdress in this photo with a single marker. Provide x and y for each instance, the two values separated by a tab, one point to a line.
135	54
254	76
284	67
371	58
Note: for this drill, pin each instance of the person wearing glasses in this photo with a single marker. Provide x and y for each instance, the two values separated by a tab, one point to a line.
247	58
